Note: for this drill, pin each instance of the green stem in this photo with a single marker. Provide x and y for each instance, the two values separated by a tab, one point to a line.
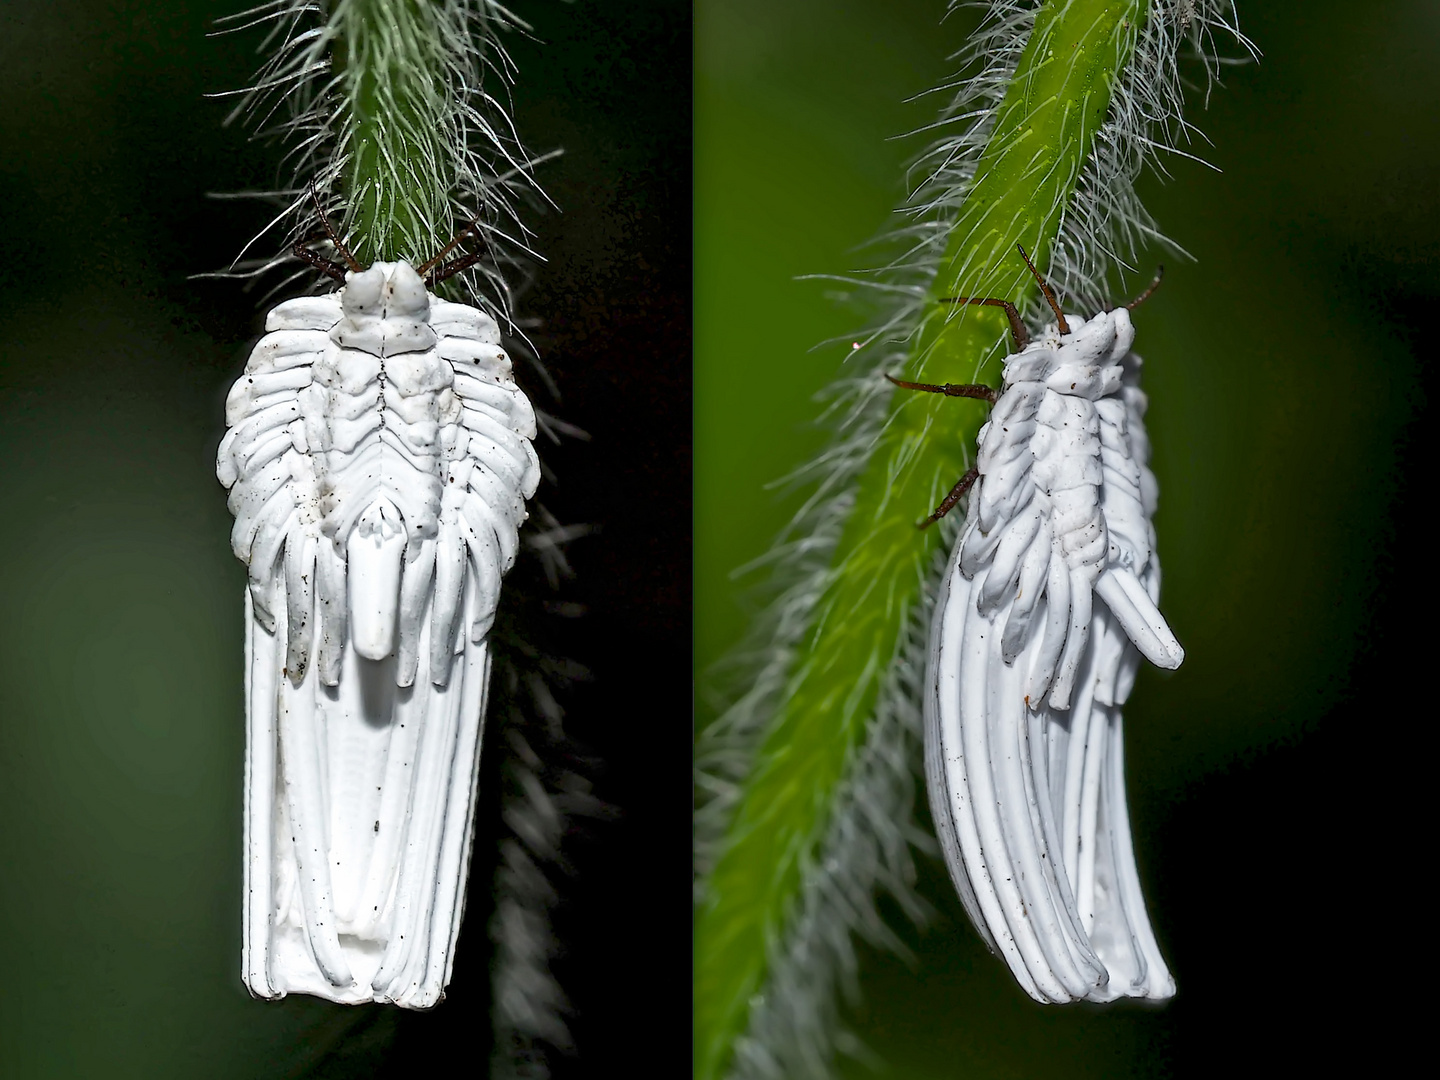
392	53
1027	174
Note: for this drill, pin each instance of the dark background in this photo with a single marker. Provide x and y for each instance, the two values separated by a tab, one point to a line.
1280	780
121	705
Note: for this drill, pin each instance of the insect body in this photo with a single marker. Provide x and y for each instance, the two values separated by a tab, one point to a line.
1027	674
378	459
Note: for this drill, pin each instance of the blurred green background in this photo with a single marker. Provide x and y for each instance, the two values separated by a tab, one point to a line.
1275	777
121	704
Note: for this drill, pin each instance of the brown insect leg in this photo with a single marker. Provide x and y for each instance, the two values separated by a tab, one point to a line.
324	265
453	267
330	232
966	390
1159	273
435	260
1017	328
956	494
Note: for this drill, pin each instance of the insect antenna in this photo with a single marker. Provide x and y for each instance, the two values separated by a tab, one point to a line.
1159	273
1064	327
434	271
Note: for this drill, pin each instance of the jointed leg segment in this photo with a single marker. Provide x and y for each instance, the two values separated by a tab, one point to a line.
966	390
956	494
437	269
1017	328
328	267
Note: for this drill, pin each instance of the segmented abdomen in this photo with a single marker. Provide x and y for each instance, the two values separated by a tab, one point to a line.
1038	520
397	441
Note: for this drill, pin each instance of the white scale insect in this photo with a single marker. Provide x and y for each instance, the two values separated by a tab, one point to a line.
1027	675
378	459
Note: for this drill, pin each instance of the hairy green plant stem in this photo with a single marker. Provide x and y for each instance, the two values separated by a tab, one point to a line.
1043	135
391	53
